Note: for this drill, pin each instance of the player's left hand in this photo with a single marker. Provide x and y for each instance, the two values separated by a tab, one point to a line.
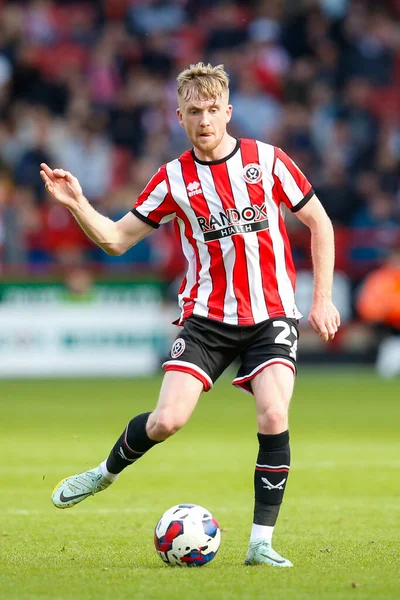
324	318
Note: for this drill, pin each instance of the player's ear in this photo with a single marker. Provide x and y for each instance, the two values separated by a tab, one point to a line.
180	117
228	113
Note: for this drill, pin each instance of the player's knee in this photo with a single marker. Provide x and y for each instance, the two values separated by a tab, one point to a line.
166	424
273	419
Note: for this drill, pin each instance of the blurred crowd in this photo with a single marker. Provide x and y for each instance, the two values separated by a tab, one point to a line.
89	86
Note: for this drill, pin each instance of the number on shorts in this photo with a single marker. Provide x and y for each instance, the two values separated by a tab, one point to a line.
284	335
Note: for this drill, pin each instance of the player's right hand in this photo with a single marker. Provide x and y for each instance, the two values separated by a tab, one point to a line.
62	185
324	318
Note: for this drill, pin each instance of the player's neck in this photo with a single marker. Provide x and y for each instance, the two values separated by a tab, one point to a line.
224	149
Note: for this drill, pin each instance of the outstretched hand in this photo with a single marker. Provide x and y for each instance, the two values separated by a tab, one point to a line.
62	185
324	318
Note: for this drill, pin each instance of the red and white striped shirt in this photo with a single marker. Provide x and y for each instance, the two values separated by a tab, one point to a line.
229	220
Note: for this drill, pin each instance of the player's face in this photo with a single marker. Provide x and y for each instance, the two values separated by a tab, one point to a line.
205	121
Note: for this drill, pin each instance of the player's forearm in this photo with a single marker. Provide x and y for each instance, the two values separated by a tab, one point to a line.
323	258
102	230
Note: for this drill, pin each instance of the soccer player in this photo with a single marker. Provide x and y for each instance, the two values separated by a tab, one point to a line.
227	198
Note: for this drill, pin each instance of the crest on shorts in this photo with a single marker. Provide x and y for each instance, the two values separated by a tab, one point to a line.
178	347
252	173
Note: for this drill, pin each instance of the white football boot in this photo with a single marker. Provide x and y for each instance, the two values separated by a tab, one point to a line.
262	553
76	488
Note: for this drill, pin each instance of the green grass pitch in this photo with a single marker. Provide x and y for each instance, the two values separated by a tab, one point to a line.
339	524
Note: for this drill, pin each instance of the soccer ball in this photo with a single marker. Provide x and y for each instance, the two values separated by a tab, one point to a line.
187	535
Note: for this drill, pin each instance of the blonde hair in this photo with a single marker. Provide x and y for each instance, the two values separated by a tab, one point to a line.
203	82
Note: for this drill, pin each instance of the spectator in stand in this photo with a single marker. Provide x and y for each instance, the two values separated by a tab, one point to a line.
256	114
88	153
388	155
339	197
379	305
6	219
374	227
271	60
327	61
155	16
361	123
323	109
104	77
294	134
25	173
299	80
368	37
24	244
226	29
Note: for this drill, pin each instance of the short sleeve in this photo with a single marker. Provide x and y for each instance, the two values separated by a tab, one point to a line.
293	187
155	204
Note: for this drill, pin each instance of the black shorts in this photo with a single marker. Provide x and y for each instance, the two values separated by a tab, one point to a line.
205	348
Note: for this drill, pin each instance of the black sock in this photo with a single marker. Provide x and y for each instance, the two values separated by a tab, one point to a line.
131	445
270	476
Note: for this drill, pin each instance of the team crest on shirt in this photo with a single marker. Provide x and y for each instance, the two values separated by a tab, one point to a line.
252	173
178	347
